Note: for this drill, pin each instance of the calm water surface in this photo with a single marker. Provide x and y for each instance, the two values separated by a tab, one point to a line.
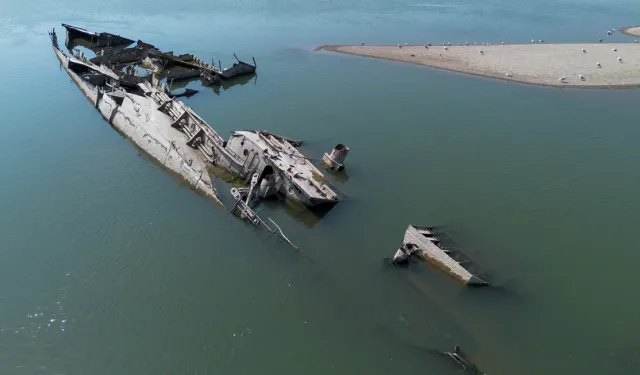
110	266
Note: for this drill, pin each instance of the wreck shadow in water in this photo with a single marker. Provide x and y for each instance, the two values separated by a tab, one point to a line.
339	176
298	211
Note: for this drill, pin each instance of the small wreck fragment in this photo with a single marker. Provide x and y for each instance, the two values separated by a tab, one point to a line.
421	241
96	39
461	360
335	160
245	197
238	69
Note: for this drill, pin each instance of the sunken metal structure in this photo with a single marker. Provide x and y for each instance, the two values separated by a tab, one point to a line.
423	242
96	39
283	169
463	361
144	110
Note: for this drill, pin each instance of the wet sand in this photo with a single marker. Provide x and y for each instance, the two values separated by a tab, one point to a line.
631	30
541	64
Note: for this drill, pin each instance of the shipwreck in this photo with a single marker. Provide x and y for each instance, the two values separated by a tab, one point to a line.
423	242
97	40
142	108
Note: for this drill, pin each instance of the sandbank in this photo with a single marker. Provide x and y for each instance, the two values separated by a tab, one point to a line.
631	30
540	63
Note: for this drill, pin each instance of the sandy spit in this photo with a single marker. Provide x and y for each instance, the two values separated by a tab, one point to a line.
631	30
541	64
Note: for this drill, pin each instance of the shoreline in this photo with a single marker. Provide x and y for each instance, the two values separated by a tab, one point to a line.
631	30
535	64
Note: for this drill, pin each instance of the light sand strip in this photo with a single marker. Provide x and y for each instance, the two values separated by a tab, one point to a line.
602	65
631	30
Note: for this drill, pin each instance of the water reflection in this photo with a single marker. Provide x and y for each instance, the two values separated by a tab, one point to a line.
309	217
339	176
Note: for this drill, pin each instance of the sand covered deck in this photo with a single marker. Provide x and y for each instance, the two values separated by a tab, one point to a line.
580	64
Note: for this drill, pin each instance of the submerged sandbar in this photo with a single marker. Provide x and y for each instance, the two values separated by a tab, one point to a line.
582	65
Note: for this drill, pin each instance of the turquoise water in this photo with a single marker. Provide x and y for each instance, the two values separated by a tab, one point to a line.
140	275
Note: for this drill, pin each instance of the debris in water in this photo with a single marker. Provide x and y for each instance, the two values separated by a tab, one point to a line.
422	241
336	159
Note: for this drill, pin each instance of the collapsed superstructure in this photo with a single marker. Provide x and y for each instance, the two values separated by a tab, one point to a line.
140	107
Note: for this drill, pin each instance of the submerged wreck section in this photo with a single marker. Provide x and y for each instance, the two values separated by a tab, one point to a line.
422	242
95	39
141	107
135	111
463	361
113	51
281	168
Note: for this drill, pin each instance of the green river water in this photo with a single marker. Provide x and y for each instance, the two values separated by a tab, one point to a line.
110	266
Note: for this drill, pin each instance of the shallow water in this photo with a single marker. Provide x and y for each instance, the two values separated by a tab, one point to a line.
110	266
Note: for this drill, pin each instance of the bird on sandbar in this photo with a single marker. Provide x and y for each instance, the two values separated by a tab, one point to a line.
599	65
581	77
584	50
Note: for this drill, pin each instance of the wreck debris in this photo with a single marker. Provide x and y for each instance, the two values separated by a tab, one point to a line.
281	233
111	50
336	159
461	359
238	69
243	202
177	74
421	241
96	39
208	78
244	198
280	138
282	169
187	93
